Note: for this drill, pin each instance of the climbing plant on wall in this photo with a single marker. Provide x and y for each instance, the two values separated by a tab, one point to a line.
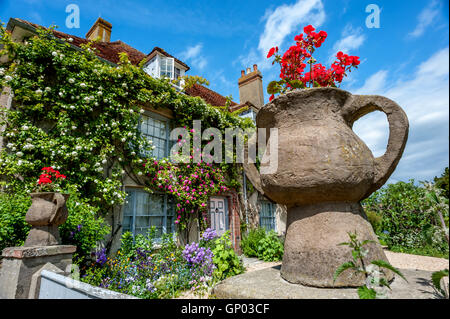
80	115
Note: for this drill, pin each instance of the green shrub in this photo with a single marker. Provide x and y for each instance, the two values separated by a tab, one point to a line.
270	248
227	262
408	218
375	220
13	228
83	228
249	243
442	182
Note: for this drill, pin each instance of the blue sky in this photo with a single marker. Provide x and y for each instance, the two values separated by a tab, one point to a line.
405	59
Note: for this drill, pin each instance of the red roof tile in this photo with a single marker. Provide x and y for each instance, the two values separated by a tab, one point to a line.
208	95
110	51
106	50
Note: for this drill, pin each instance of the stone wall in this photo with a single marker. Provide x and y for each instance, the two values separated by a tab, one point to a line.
56	286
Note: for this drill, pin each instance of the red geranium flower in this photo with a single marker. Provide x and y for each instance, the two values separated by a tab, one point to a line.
44	180
272	51
308	29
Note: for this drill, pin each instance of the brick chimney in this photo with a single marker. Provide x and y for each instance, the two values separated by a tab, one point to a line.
102	29
250	87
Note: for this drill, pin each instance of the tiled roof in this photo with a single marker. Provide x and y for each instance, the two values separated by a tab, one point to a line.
106	50
110	52
208	95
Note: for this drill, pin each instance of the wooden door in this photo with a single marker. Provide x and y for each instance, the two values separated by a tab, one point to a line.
218	214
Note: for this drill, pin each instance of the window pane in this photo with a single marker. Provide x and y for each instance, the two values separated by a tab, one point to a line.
267	215
126	224
141	203
157	221
156	205
155	130
151	210
128	208
142	222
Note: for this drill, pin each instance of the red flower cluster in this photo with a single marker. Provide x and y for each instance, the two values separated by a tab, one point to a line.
333	75
50	173
272	52
294	62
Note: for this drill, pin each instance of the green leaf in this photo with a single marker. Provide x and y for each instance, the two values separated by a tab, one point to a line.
273	87
436	278
343	244
366	293
368	241
343	267
385	264
383	282
297	84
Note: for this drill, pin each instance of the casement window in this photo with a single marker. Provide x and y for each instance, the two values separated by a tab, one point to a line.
177	73
156	129
144	210
267	215
166	68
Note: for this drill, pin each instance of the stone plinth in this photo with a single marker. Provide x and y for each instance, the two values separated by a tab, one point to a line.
20	264
312	252
268	284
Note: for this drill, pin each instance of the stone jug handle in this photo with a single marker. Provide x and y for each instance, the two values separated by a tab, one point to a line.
359	105
59	201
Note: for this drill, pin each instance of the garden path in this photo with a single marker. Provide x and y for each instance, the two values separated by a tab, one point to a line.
398	260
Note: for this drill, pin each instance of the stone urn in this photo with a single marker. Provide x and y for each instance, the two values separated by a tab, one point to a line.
48	210
324	171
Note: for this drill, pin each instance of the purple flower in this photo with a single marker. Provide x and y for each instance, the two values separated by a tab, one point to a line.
209	234
79	227
199	258
101	257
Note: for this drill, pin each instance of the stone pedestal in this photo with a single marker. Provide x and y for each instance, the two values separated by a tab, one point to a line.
21	264
312	252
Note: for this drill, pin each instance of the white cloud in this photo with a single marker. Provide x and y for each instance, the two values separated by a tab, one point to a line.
374	83
194	55
351	39
426	17
281	22
191	52
425	98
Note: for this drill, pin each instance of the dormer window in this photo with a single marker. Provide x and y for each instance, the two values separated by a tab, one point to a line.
160	65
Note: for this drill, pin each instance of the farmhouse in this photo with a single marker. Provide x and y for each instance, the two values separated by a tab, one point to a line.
228	211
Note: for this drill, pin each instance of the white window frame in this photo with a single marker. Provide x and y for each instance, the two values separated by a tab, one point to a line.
164	60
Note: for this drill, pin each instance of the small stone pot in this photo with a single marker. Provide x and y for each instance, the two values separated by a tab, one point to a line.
47	211
324	171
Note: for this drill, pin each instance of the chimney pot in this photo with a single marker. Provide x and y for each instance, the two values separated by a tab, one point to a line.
250	87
